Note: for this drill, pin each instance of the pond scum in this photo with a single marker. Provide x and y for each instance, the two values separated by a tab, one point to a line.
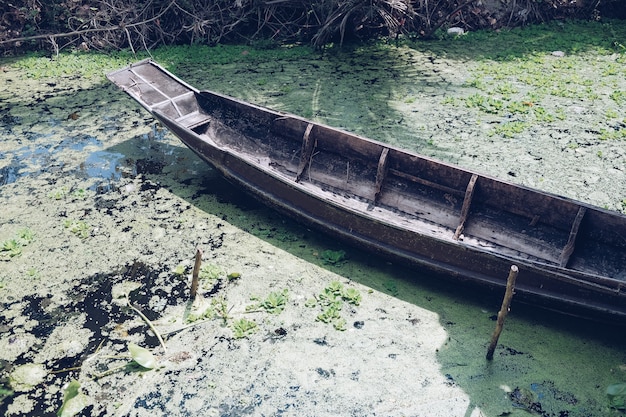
103	210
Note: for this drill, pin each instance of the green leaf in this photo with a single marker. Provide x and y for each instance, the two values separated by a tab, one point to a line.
275	302
142	356
617	395
210	272
243	328
352	296
336	258
73	400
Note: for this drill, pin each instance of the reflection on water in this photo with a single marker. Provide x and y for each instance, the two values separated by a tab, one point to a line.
46	154
106	166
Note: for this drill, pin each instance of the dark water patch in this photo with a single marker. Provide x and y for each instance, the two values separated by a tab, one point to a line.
77	143
7	121
9	174
43	157
104	165
93	297
26	161
149	166
543	399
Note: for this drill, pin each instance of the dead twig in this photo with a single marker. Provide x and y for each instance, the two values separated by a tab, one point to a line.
148	322
195	274
504	310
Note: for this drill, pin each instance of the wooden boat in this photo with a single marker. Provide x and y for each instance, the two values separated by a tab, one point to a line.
471	227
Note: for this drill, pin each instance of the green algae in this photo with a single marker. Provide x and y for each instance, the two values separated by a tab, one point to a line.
27	377
160	202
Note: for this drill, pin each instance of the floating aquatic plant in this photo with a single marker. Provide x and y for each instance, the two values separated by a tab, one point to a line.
78	227
79	194
331	257
74	401
233	276
141	359
274	303
210	272
217	309
331	299
243	328
352	296
13	247
32	273
58	194
180	270
142	356
26	236
616	394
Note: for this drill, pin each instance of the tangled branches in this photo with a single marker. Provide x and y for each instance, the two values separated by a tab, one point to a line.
116	24
144	24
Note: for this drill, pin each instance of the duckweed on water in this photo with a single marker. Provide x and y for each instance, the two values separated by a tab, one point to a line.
73	64
511	72
331	257
320	88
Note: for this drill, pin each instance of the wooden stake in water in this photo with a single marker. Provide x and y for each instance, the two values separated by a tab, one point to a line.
504	310
195	274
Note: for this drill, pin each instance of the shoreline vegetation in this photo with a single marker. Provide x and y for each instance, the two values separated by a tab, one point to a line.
147	24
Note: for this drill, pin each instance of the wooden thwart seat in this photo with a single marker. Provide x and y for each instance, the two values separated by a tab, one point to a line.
467	203
571	241
306	153
381	173
194	119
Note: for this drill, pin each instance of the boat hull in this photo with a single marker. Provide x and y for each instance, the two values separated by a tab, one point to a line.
460	224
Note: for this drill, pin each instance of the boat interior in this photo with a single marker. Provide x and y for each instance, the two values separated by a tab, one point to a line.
389	185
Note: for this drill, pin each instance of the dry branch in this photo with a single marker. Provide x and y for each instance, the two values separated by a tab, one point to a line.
136	24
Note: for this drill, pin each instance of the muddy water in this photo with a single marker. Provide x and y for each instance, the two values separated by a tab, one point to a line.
116	208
